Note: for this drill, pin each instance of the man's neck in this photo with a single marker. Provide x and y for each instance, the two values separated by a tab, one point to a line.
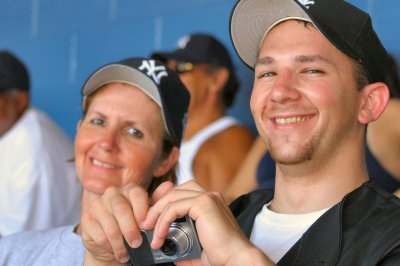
320	188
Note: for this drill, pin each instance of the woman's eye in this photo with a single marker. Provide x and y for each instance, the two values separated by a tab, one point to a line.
97	121
135	132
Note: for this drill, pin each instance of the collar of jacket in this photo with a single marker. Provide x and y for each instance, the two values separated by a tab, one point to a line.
322	250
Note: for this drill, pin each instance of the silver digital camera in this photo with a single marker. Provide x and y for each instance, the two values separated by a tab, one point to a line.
182	243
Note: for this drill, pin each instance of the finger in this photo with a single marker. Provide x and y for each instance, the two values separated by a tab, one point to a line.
111	229
171	196
139	201
204	260
188	263
205	208
161	190
124	215
191	185
93	236
171	212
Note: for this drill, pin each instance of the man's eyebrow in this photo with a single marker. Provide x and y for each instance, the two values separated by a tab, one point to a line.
266	60
312	58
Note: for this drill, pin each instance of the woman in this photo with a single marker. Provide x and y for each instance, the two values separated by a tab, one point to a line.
130	133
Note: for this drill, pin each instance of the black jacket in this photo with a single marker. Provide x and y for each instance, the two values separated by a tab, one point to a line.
362	229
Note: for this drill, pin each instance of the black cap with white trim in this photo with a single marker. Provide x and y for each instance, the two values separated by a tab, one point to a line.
348	28
153	78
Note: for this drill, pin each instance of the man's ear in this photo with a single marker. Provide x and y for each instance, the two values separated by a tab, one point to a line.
167	163
373	103
21	101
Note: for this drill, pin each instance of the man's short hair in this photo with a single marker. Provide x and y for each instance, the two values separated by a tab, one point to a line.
13	73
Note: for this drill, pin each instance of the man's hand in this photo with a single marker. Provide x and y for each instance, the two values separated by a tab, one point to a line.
221	237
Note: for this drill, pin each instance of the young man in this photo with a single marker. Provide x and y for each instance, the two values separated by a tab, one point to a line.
319	68
214	144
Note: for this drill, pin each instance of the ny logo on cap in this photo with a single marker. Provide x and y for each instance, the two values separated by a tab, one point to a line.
153	71
306	3
182	42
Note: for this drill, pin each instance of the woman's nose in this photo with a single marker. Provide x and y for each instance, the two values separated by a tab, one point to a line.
109	140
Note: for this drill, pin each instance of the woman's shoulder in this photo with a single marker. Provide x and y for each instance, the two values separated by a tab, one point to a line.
50	247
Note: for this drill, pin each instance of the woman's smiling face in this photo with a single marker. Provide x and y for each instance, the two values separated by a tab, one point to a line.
119	141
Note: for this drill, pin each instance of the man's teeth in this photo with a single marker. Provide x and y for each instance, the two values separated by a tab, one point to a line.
95	162
290	120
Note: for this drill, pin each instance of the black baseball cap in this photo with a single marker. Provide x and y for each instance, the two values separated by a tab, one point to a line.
348	28
198	48
153	78
13	73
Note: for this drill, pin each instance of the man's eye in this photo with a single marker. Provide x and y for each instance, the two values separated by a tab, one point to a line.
97	121
313	71
266	74
135	132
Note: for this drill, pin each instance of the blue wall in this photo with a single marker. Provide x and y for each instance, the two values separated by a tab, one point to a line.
62	42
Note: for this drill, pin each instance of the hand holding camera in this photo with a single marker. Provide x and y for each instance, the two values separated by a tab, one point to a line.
181	243
106	226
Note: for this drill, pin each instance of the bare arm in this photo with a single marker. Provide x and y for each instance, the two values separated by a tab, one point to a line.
245	179
383	138
219	159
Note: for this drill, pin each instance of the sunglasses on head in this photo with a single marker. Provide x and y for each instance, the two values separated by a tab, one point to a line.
183	67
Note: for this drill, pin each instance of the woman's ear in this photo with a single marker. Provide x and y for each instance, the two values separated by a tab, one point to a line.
219	79
78	125
373	103
167	163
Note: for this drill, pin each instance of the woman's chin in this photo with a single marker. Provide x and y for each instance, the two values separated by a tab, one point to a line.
96	186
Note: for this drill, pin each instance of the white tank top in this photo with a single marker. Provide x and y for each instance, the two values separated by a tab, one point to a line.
188	149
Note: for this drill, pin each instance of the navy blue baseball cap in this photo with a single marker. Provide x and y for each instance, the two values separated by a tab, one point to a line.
153	78
198	48
348	28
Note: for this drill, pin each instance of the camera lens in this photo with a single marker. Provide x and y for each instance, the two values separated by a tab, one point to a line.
169	248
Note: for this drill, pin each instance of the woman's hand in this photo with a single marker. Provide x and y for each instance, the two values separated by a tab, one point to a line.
113	217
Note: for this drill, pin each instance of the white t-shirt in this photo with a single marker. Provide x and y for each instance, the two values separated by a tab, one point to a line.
275	233
38	187
57	246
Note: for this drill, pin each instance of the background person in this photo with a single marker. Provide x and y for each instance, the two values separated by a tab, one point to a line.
38	186
214	144
383	138
130	134
316	87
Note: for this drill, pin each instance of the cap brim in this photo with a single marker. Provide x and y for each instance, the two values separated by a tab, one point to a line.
252	20
127	75
179	55
124	74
